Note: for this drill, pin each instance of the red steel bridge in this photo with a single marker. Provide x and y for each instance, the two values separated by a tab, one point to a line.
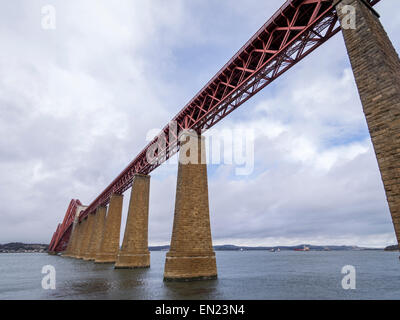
293	32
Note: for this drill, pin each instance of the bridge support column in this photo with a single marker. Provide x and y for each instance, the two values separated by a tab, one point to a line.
82	237
135	252
110	241
376	68
76	242
191	255
72	239
97	233
88	236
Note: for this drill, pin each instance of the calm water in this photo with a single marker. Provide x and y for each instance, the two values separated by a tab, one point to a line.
242	275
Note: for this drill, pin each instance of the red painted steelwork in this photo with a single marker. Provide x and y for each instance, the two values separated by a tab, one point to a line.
293	32
60	238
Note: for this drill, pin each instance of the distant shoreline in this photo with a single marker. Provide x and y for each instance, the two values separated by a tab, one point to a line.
229	247
19	247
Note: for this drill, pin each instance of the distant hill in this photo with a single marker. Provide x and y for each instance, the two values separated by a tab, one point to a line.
158	248
230	247
29	247
291	248
22	247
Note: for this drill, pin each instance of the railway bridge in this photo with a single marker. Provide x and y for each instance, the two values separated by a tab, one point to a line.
293	32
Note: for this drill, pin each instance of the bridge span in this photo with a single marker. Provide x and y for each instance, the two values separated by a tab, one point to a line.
293	32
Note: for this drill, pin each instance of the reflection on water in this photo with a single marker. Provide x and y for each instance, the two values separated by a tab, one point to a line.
178	290
242	275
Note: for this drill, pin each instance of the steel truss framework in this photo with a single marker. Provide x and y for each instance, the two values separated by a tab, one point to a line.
60	238
293	32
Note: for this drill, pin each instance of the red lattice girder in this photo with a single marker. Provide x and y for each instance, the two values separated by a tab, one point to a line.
61	237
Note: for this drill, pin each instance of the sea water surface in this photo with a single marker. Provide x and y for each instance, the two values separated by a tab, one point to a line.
241	275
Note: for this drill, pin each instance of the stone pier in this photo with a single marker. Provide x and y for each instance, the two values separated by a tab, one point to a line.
191	255
109	246
376	68
76	231
75	241
88	236
97	233
72	238
134	252
82	237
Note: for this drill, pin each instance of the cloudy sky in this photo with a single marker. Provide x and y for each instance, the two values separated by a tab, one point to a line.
77	102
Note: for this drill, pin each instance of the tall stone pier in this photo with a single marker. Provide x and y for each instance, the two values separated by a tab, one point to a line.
82	237
88	234
191	255
110	241
73	237
73	244
75	240
376	68
134	252
97	233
